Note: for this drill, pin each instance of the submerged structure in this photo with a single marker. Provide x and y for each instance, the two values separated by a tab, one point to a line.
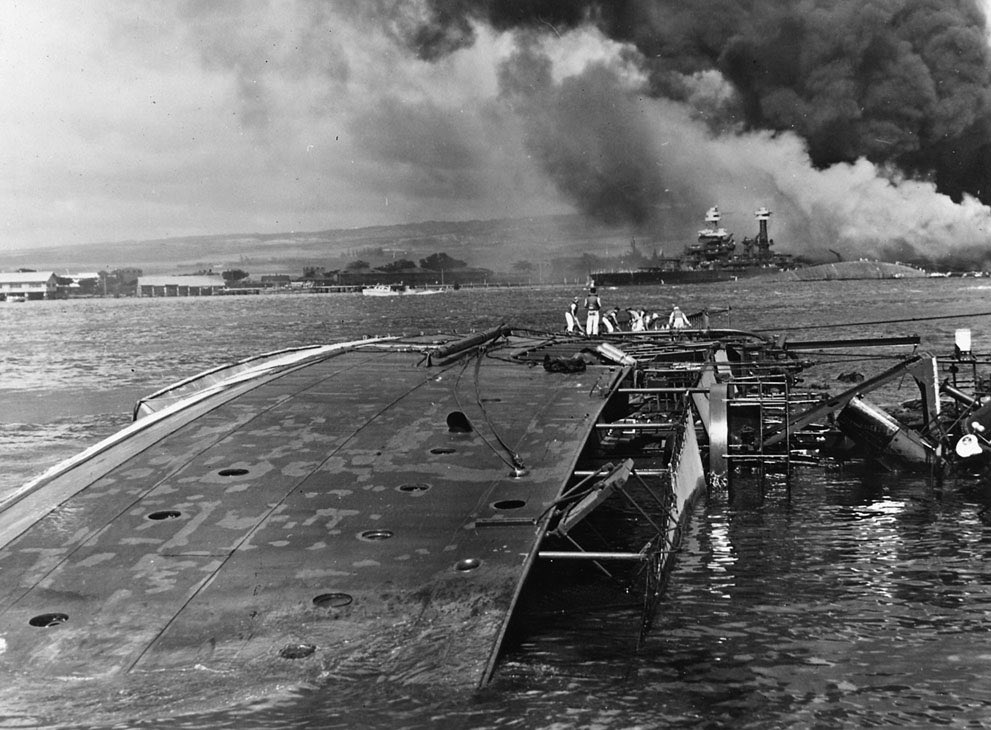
714	256
372	509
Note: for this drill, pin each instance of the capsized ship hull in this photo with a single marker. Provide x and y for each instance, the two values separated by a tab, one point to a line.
321	508
367	511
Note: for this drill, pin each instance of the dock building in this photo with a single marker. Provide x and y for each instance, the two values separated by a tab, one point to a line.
20	285
180	286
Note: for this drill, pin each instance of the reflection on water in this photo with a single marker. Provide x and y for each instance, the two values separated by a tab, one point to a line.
854	599
845	604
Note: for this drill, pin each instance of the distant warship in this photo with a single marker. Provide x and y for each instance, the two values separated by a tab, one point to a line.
713	257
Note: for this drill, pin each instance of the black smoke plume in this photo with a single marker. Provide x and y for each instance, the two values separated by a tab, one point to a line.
588	136
902	83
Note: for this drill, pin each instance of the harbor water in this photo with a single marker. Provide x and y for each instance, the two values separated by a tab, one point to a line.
849	597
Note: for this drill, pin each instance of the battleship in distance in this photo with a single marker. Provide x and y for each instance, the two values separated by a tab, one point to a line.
371	510
712	257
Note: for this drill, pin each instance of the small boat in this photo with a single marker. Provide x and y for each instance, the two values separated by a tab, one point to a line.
396	290
15	298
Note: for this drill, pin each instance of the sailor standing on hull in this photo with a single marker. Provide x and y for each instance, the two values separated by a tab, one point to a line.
678	320
571	317
593	305
623	318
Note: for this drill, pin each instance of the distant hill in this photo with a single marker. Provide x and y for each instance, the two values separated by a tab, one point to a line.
493	244
553	245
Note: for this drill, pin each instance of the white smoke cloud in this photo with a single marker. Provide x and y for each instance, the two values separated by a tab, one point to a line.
856	208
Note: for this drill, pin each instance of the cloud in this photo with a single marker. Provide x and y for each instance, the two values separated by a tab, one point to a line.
182	118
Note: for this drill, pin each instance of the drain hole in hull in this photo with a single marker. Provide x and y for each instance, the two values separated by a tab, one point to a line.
332	600
457	422
374	535
509	504
46	620
232	472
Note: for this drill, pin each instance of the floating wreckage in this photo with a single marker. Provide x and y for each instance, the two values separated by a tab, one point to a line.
369	511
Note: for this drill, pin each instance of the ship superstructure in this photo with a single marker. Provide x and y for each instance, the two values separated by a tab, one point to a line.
714	242
712	257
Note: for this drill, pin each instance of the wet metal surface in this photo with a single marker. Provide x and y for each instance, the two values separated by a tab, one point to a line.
328	522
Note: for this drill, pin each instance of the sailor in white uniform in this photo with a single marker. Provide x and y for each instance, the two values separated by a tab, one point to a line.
593	305
678	320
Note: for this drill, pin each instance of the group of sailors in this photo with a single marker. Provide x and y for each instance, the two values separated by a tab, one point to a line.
621	320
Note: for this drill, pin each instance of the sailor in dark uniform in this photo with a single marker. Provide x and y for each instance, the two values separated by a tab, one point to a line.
571	317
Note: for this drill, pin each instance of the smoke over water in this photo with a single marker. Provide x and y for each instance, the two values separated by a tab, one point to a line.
864	124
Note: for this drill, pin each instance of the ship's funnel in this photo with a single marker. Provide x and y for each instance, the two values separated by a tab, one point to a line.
763	241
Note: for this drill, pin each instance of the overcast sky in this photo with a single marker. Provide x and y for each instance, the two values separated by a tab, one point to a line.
144	120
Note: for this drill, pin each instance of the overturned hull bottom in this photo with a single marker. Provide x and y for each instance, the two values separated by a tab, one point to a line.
367	510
